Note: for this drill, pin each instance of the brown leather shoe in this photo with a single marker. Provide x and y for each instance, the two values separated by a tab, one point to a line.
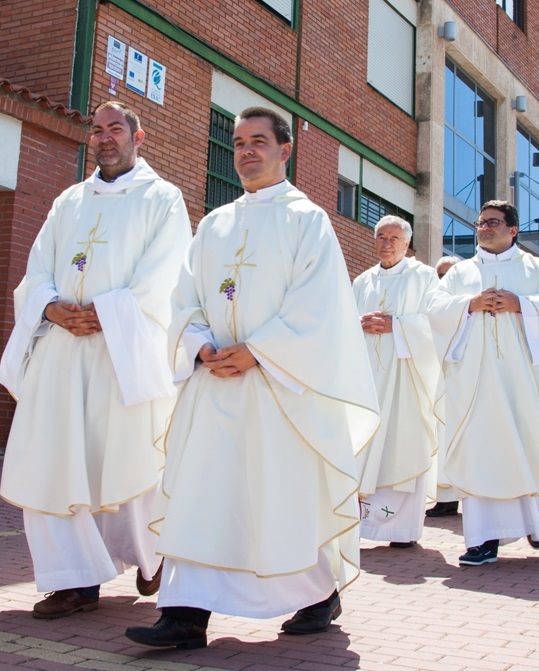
62	603
149	587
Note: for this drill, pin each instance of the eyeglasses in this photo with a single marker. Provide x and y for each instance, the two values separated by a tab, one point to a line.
489	223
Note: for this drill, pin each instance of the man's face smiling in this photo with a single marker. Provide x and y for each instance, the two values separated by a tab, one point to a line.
495	240
390	244
113	143
259	159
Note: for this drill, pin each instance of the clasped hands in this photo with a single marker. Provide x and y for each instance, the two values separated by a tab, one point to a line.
377	323
495	301
230	361
79	320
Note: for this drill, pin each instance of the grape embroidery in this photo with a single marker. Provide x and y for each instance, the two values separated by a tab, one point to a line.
79	260
228	287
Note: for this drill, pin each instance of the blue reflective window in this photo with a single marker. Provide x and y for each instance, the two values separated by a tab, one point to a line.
469	157
449	97
465	178
458	238
465	100
527	188
449	161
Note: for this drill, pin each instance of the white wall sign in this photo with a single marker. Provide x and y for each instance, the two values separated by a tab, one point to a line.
137	66
115	58
156	82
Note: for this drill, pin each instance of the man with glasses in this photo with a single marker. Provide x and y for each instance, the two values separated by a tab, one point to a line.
485	315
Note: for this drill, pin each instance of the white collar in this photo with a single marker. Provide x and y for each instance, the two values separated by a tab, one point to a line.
397	269
487	257
266	194
141	173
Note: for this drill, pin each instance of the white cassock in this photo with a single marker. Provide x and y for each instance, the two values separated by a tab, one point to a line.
393	467
438	480
492	395
260	488
85	452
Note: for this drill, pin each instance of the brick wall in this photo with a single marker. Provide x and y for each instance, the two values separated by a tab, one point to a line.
177	133
47	165
39	51
245	31
176	142
518	49
316	171
333	80
7	404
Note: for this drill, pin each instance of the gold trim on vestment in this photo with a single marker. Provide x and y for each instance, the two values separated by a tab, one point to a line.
103	509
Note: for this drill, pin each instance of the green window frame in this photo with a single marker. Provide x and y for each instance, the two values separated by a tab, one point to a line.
222	182
373	208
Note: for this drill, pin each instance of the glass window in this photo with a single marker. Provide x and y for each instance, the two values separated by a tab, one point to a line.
373	208
449	97
527	188
465	99
222	182
346	198
514	9
469	158
391	55
458	238
284	8
465	177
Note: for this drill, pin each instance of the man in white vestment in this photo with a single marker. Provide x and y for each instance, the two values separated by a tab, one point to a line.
393	468
485	317
87	363
446	502
275	397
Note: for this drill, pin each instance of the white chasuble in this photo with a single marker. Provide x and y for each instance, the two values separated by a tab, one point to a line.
492	388
259	474
92	410
402	448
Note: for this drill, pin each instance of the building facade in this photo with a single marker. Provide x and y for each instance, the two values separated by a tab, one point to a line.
420	108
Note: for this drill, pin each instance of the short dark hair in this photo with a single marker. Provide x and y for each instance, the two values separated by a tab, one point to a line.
509	211
130	116
280	126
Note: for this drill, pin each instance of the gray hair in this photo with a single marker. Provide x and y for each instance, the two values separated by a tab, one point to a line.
446	259
395	221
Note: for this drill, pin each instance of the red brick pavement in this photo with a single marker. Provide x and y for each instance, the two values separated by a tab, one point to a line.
411	609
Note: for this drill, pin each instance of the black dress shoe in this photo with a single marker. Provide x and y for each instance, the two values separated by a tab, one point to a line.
149	587
401	545
169	632
534	544
443	509
314	619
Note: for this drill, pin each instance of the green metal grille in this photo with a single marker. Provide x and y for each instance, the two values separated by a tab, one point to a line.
222	183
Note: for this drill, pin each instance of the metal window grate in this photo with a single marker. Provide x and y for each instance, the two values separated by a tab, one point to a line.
373	208
222	183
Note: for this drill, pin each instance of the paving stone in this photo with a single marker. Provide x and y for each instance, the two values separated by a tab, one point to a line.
410	610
